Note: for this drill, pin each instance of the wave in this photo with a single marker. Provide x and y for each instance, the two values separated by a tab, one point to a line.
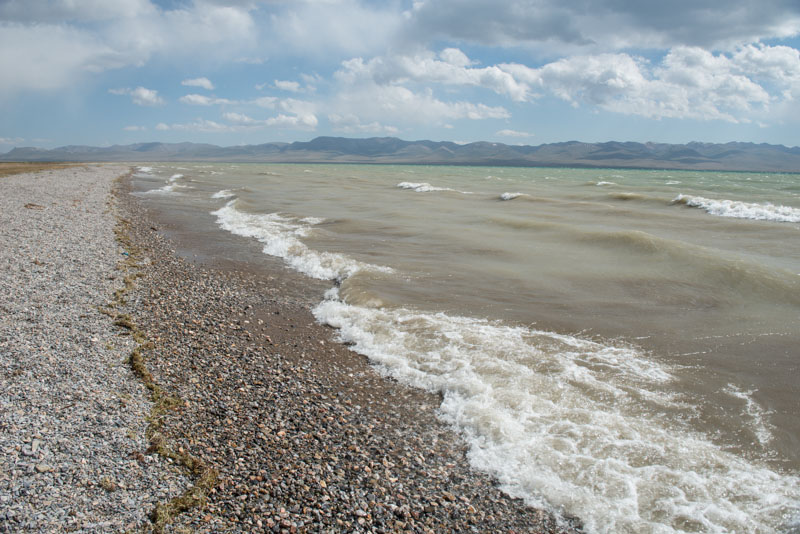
225	193
145	170
281	236
425	187
510	196
627	196
701	266
568	424
171	186
166	189
741	210
753	411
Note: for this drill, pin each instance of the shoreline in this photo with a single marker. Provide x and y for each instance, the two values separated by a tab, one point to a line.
304	433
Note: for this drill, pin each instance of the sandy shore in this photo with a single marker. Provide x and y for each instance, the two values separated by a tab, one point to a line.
267	422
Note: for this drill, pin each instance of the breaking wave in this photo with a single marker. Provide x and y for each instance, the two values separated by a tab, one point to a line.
280	235
741	210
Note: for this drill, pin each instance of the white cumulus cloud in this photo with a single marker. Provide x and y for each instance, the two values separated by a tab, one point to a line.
283	85
203	82
203	100
351	124
689	83
451	68
141	96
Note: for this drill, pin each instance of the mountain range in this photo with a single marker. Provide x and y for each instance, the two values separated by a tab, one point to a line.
691	156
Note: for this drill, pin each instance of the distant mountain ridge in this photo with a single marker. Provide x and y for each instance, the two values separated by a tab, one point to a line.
612	154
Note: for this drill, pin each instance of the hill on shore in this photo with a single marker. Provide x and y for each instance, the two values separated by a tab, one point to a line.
691	156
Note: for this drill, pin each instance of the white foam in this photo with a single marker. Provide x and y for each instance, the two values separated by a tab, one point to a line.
168	189
424	187
753	411
742	210
510	196
225	193
145	170
568	423
171	186
602	183
281	237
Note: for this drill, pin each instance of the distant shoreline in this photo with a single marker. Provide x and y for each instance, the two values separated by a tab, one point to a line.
729	157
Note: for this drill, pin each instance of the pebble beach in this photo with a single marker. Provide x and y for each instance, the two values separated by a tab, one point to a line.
72	414
239	412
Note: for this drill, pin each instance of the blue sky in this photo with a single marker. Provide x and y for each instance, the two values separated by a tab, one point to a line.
102	72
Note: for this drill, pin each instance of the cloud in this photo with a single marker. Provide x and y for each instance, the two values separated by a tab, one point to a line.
397	89
513	133
60	11
250	60
135	128
688	83
307	122
351	124
292	87
400	105
11	140
265	102
554	27
140	96
56	43
332	28
302	114
203	100
205	83
302	122
240	118
775	64
199	125
297	115
452	68
47	57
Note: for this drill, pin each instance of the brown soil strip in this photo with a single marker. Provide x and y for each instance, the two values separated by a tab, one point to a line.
9	168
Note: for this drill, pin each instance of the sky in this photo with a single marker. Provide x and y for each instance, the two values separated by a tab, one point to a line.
104	72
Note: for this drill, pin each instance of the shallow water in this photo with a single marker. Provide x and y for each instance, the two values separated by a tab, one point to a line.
621	345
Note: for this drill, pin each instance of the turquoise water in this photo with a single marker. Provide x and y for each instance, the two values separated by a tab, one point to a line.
621	345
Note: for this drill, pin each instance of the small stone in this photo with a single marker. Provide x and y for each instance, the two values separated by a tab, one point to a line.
43	468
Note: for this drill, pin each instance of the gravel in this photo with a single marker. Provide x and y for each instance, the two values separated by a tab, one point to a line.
72	414
306	436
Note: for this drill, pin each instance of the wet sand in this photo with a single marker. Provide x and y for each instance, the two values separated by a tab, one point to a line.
304	434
